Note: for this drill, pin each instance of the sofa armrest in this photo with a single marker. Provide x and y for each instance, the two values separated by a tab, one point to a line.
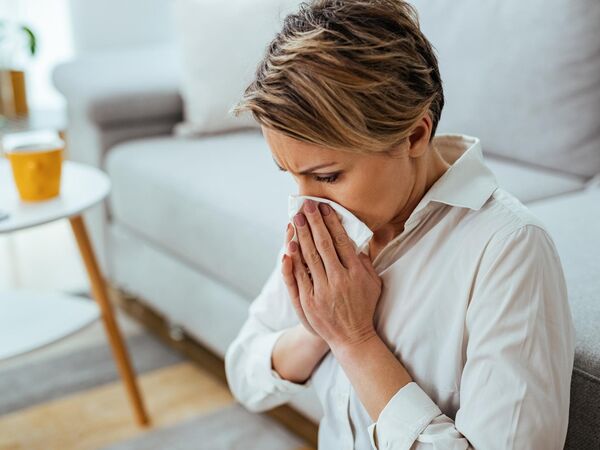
137	84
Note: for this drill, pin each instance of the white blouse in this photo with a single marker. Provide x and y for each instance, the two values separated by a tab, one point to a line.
474	305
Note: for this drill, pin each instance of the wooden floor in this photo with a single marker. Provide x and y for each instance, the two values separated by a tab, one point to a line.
97	417
196	352
100	416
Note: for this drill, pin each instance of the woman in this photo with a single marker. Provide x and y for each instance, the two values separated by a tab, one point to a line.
454	331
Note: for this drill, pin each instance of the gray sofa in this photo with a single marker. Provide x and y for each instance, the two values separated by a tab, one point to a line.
193	226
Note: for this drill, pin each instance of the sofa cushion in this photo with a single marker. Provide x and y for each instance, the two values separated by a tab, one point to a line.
220	46
220	204
522	76
529	184
572	221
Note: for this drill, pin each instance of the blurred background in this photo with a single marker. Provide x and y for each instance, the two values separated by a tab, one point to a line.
34	37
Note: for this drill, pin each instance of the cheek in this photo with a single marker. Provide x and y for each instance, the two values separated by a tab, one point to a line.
364	200
375	201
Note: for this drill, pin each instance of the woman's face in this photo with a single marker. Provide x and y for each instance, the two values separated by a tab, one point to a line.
377	188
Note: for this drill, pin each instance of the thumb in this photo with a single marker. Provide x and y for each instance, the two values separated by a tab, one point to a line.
366	261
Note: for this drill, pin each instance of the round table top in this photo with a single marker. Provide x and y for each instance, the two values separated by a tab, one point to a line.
81	186
30	319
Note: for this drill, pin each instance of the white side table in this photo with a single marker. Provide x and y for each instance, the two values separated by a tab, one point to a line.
82	186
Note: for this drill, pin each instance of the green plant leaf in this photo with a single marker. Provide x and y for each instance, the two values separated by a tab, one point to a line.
32	39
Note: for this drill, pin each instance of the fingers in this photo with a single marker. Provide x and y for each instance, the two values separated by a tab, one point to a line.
290	282
289	234
308	249
321	239
288	237
300	272
286	267
292	287
288	278
343	244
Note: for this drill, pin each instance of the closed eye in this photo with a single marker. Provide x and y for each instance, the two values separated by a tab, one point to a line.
328	179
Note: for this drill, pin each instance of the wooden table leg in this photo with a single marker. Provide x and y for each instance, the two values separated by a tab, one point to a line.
114	336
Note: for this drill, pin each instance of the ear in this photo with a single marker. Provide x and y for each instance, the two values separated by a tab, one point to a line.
419	137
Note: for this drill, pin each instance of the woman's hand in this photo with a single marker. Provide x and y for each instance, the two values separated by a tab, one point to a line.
288	277
338	299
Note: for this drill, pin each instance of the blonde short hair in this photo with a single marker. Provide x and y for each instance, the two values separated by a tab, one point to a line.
353	75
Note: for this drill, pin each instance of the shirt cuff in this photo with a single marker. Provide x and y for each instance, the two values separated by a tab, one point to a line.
403	418
262	370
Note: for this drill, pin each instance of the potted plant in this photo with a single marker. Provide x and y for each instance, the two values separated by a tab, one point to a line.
17	44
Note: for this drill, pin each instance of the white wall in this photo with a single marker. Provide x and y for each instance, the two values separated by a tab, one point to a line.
50	21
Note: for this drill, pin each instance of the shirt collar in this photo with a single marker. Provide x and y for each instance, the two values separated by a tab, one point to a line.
468	182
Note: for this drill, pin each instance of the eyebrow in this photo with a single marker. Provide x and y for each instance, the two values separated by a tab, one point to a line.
307	171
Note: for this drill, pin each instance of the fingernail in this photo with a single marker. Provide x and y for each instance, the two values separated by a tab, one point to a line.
324	208
310	206
293	246
299	219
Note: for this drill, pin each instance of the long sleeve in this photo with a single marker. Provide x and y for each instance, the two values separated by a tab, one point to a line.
515	384
248	367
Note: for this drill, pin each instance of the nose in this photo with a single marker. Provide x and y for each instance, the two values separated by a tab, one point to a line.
310	192
309	189
312	188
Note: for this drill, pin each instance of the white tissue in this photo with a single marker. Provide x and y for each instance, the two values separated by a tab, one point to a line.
358	232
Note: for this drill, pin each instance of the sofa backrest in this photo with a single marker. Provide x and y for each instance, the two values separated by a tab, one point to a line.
524	76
